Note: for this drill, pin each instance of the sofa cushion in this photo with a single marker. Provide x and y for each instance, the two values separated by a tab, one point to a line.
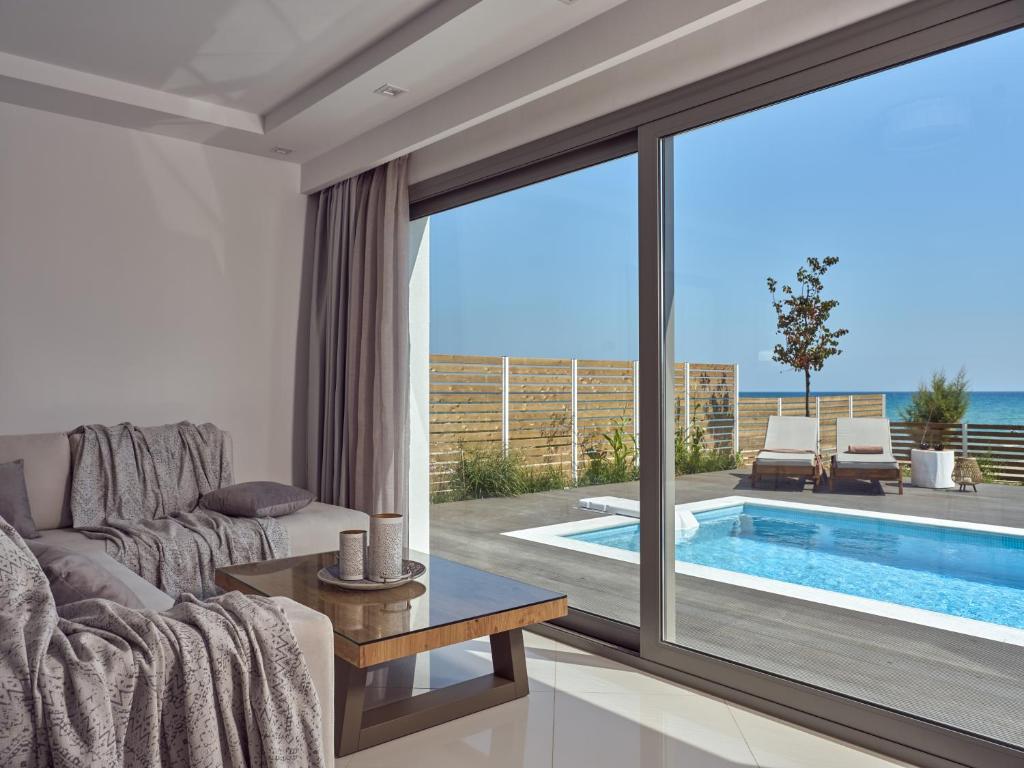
47	460
315	528
74	540
260	498
151	597
74	576
14	506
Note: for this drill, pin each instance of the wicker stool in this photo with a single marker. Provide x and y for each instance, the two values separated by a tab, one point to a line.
967	472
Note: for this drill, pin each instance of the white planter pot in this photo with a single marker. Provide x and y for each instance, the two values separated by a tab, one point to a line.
932	469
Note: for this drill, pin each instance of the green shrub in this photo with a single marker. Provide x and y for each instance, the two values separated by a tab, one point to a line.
693	457
482	473
547	477
611	460
942	400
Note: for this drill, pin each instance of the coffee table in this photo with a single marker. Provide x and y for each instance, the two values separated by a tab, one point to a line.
451	603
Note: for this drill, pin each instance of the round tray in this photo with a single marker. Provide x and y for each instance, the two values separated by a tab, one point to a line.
410	570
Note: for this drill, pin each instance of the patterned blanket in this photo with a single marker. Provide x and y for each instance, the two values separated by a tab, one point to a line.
138	489
205	684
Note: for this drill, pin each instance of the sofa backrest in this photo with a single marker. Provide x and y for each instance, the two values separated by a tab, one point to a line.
47	458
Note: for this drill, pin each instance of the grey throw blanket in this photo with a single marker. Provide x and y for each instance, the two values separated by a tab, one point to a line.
138	490
216	683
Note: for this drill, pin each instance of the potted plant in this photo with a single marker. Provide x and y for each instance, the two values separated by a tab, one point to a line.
936	405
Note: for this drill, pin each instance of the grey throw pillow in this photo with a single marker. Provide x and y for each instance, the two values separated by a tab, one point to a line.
14	506
74	576
261	498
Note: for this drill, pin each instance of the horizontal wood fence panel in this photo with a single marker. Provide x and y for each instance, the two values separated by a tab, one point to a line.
538	409
999	447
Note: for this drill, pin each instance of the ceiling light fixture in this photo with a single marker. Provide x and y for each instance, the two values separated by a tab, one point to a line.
280	150
389	90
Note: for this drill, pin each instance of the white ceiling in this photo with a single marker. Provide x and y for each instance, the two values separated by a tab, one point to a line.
249	54
254	74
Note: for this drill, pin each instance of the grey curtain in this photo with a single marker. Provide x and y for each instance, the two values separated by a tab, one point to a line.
358	399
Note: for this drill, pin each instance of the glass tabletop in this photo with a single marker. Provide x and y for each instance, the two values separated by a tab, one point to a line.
448	593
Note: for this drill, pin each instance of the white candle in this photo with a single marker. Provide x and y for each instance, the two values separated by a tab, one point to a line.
352	555
386	539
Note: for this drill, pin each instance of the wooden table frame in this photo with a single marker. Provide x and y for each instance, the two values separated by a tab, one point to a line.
358	728
501	619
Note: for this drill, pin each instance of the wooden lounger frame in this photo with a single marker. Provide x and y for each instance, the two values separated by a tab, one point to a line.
775	471
864	473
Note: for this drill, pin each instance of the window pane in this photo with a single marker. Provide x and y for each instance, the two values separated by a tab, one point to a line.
910	180
533	337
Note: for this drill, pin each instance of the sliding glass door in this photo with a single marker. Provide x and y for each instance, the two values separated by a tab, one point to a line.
823	257
680	384
533	395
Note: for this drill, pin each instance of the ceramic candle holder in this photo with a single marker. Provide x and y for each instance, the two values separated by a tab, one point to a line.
385	553
352	555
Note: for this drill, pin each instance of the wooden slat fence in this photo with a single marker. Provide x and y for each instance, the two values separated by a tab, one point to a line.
754	413
999	446
551	410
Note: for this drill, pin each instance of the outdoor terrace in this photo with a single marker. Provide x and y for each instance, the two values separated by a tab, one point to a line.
949	678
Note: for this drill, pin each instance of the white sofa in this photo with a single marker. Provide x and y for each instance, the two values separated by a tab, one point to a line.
47	460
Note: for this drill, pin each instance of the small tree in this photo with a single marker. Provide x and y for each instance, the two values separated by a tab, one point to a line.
803	315
941	401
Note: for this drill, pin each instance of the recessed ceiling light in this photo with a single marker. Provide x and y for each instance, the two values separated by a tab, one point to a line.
389	90
567	2
280	150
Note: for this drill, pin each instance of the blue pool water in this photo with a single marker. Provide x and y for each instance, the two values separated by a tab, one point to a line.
973	574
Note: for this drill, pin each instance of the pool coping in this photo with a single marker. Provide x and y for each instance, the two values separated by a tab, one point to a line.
553	535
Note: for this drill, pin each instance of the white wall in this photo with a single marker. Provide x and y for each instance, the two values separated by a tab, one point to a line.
150	280
419	385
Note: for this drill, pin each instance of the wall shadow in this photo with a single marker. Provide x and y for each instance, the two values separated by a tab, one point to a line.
300	401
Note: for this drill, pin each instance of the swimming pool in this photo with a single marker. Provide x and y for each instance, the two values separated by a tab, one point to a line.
959	576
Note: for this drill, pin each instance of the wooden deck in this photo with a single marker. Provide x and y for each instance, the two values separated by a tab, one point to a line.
957	680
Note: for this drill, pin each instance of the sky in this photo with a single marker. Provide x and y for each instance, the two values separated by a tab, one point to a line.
913	178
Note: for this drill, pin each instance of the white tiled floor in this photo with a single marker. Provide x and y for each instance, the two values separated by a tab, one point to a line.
587	711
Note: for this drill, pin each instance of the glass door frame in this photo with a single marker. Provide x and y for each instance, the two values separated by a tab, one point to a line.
902	34
894	733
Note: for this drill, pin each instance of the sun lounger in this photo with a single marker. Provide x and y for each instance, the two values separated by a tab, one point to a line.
790	450
864	452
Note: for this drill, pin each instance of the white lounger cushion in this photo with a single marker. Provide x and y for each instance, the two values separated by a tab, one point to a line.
791	433
786	459
865	461
864	431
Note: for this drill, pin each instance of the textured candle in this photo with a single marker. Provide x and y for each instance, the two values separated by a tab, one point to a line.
386	539
352	555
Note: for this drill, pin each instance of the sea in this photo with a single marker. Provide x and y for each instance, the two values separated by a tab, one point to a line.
985	408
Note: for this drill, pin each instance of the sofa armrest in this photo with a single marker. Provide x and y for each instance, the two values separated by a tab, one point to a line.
315	636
